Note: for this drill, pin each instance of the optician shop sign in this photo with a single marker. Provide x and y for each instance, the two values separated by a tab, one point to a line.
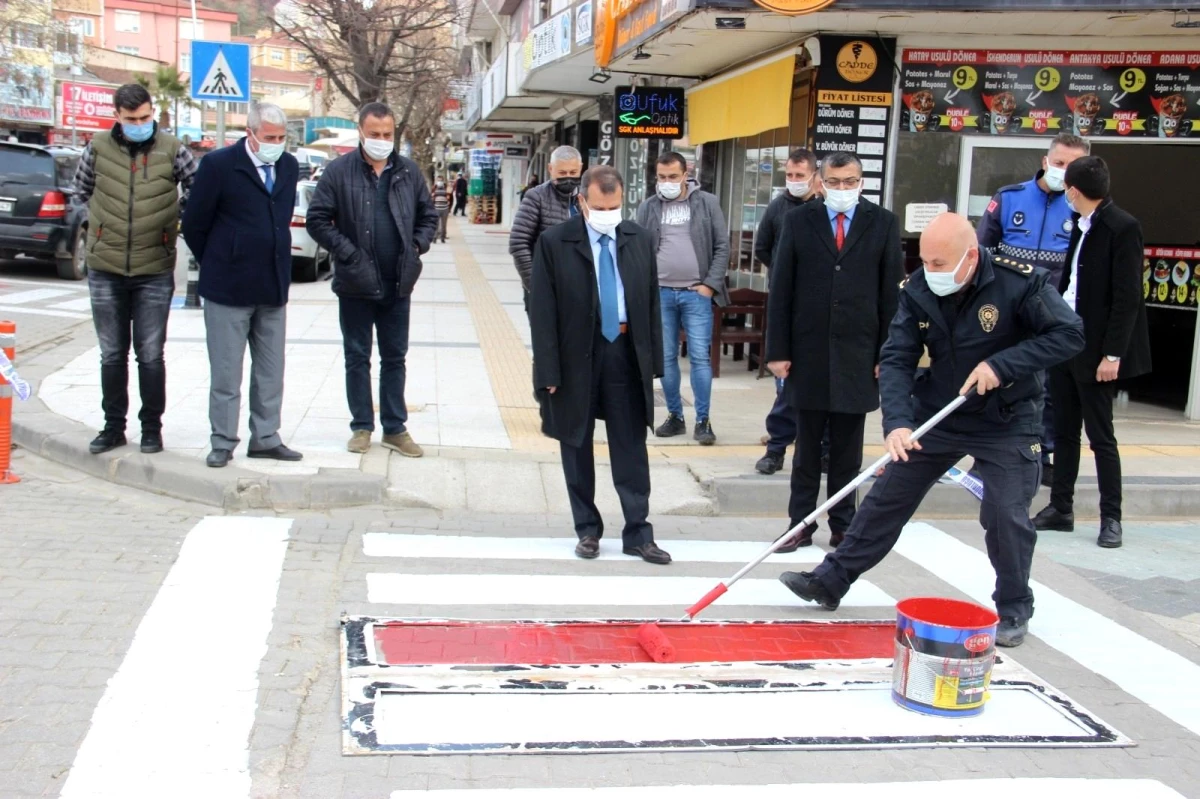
652	112
1043	92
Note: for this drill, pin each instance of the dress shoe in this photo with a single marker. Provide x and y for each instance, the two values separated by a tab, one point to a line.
649	553
587	548
1110	534
219	458
802	539
152	443
279	453
404	444
769	464
836	539
810	589
107	440
1048	475
1051	518
1011	631
674	426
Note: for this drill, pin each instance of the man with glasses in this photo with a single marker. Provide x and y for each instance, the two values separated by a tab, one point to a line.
834	285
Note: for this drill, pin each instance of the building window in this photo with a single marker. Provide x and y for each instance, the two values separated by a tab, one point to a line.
185	29
67	42
128	50
185	62
128	21
85	26
277	56
28	36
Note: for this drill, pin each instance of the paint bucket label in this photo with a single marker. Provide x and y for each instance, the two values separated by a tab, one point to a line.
945	650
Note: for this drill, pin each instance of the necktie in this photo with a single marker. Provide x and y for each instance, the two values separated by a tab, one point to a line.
269	178
841	230
610	321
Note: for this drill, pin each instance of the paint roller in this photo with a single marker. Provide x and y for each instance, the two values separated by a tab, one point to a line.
655	643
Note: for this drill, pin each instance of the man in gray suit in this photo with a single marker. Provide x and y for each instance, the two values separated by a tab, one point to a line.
239	231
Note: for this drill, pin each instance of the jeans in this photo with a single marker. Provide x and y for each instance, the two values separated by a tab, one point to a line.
132	310
360	319
692	312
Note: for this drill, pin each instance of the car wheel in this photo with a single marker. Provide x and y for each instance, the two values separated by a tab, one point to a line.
304	270
74	267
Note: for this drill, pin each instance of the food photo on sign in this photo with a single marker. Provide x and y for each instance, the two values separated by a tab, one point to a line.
1171	277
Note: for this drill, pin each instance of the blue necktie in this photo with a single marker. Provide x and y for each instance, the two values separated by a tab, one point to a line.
610	320
269	178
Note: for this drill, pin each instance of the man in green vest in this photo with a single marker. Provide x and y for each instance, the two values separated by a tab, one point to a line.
130	178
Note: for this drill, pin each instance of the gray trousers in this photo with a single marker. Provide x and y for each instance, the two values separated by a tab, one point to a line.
228	330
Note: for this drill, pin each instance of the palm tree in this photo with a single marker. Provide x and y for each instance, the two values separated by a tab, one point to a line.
168	91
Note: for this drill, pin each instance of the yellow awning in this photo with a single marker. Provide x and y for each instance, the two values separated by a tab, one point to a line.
742	104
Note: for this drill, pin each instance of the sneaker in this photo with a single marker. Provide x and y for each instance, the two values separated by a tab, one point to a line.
404	444
360	442
674	426
1011	631
704	433
769	464
151	443
107	440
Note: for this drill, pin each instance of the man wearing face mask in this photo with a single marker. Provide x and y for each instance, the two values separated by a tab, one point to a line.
1031	222
990	325
543	207
692	243
802	186
237	224
131	179
597	347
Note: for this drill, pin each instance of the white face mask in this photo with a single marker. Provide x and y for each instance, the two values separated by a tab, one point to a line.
268	153
841	200
604	222
669	191
378	149
798	188
944	284
1054	176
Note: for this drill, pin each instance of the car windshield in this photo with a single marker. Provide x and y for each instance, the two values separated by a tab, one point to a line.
18	165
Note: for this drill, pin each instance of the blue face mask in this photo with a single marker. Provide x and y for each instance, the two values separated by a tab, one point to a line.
138	133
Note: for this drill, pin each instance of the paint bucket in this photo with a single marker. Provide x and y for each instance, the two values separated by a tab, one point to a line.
945	650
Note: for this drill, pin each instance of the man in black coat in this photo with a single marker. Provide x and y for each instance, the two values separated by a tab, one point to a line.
834	283
597	348
1102	282
237	226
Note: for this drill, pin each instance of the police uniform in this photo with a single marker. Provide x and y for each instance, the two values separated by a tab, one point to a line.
1012	318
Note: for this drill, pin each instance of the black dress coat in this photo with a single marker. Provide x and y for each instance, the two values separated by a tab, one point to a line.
828	311
1109	296
564	321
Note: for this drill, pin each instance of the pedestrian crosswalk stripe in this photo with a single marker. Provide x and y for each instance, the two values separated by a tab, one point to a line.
481	548
671	594
84	304
32	295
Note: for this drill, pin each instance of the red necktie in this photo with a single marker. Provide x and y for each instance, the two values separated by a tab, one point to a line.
841	230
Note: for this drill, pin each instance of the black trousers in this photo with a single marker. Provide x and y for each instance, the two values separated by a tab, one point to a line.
617	393
1011	471
1087	405
460	204
845	462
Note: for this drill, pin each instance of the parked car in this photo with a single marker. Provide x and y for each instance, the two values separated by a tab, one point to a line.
308	258
39	216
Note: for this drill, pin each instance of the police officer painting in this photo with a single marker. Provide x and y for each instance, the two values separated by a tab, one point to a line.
1031	222
991	325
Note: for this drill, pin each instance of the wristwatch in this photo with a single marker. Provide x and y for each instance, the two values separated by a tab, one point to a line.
1112	358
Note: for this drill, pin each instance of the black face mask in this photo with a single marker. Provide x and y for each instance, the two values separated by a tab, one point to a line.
567	187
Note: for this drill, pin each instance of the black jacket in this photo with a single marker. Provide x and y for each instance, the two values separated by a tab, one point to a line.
241	235
340	216
1010	317
563	316
770	227
828	311
542	208
1109	297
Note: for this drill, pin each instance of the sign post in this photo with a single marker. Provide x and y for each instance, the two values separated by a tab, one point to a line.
221	73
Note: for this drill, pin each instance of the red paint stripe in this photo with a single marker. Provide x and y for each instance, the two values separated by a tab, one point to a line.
413	643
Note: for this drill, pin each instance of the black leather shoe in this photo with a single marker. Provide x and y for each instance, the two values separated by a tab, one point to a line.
587	548
1011	631
279	453
152	443
803	539
649	553
810	589
1110	534
769	464
1051	518
218	458
107	440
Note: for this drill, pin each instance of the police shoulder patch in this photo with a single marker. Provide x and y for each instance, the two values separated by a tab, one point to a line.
904	282
1022	267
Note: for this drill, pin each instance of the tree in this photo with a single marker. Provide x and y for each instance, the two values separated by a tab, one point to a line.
168	91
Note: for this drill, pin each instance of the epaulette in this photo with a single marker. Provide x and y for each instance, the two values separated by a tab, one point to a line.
904	283
1012	187
1017	266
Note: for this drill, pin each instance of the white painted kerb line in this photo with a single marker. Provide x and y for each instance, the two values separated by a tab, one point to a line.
175	719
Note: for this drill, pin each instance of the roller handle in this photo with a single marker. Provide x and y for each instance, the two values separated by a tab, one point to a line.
705	601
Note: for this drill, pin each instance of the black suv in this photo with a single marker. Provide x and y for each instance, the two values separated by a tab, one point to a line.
38	213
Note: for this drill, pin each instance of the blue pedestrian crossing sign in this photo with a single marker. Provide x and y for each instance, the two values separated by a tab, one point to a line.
221	71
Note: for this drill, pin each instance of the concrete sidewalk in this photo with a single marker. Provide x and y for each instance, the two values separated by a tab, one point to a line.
471	407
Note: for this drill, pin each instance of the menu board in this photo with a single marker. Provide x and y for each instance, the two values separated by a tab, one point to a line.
854	101
1040	92
1170	277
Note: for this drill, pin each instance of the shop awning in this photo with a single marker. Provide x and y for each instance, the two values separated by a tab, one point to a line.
743	103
